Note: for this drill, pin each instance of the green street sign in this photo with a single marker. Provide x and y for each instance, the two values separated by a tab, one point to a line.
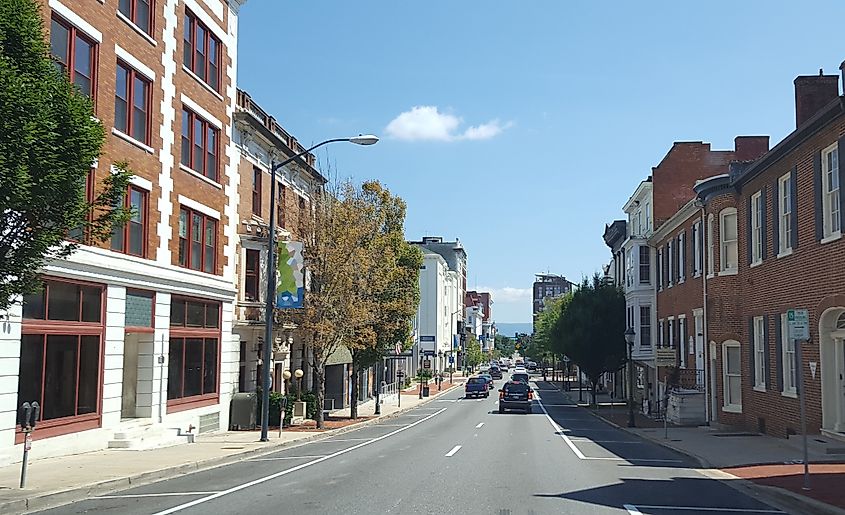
798	324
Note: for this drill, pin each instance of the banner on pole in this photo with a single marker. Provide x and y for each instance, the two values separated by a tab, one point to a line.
290	276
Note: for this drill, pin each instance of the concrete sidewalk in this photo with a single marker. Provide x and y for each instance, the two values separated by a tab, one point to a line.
56	481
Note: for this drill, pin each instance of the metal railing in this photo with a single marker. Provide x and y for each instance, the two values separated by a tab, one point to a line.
389	389
691	378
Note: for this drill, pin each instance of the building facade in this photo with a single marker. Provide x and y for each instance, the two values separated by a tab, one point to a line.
548	286
137	332
774	230
614	236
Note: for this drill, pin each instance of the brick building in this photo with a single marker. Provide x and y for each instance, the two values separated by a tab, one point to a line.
774	243
135	335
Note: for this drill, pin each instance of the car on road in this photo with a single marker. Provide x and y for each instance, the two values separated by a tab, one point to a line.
531	366
489	379
476	387
521	377
495	372
515	395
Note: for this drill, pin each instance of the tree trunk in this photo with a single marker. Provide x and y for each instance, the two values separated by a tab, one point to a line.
353	403
320	383
593	393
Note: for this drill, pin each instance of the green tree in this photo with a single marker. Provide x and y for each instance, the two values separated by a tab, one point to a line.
474	356
504	345
49	140
590	329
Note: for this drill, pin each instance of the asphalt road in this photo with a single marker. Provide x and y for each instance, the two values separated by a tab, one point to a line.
451	455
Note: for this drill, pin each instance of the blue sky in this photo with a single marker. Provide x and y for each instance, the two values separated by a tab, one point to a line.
523	127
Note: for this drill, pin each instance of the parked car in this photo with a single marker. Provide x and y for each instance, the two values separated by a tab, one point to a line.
495	372
476	387
515	395
520	377
531	366
489	379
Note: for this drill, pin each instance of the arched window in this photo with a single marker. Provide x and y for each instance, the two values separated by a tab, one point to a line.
840	322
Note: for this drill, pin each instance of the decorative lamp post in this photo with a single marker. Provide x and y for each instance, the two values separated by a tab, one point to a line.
298	373
286	377
629	339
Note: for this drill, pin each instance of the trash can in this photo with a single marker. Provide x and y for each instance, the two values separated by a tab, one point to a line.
425	390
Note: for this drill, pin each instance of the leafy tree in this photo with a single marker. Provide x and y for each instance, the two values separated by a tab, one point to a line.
49	140
591	329
504	345
474	356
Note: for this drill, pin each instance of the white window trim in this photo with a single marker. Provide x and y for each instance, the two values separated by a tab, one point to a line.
787	390
136	28
193	106
723	254
196	206
671	342
661	340
134	62
682	276
670	263
129	139
711	266
759	349
827	207
682	344
660	269
756	229
209	22
76	20
784	182
726	406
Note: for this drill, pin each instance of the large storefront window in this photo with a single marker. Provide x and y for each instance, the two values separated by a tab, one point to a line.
194	353
61	348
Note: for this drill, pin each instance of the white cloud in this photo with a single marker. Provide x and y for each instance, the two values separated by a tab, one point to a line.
427	123
508	294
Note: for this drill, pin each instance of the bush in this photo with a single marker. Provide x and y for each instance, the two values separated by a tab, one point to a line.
424	375
276	406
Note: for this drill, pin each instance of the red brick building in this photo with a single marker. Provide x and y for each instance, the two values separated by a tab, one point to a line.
774	243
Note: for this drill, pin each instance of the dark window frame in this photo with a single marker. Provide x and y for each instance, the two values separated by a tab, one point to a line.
193	22
131	75
70	66
205	126
125	248
132	16
252	278
185	332
256	190
189	240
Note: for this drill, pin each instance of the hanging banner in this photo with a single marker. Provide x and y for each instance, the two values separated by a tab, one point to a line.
290	276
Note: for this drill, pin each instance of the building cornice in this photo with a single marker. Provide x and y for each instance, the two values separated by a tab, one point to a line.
675	221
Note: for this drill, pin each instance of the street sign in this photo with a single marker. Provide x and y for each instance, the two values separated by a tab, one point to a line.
665	357
429	353
798	322
427	363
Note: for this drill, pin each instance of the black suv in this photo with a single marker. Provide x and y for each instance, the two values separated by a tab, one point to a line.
515	395
495	372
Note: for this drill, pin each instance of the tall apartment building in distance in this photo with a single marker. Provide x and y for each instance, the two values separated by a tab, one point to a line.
548	286
136	334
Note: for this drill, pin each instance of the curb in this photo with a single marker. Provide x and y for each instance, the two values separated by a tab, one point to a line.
48	500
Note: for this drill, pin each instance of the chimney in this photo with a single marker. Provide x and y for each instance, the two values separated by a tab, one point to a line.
749	148
812	92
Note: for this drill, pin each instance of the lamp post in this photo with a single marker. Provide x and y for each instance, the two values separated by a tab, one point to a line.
439	378
629	339
298	373
286	377
271	276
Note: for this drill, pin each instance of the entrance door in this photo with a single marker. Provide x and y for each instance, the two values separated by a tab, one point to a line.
128	407
699	346
839	345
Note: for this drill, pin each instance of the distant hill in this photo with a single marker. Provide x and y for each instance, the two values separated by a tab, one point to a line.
511	328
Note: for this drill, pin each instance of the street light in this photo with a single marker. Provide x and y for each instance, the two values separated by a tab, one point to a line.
360	139
298	373
629	339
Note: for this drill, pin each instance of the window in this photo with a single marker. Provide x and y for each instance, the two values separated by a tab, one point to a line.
710	244
199	144
759	342
132	237
251	274
756	228
660	268
280	205
671	328
60	367
256	190
645	326
629	270
732	376
661	334
138	12
645	264
647	208
75	54
788	350
728	237
696	249
785	213
682	341
197	241
682	257
830	191
132	103
194	354
670	264
140	309
201	53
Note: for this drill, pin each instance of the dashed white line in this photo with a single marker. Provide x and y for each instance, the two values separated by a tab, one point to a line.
633	510
479	425
453	451
292	469
559	430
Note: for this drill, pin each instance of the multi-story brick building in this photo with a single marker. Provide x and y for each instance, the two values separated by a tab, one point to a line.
775	243
260	138
136	333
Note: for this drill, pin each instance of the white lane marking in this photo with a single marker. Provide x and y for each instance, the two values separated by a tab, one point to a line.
329	440
292	469
277	458
164	494
582	439
453	451
479	425
559	431
629	507
632	510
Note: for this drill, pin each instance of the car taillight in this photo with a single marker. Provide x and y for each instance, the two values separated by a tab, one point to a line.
530	395
501	395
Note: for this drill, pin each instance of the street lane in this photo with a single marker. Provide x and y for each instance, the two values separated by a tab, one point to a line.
451	455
